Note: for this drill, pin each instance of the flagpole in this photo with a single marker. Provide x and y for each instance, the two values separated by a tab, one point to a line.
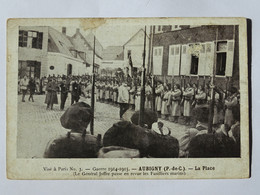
212	94
93	90
142	98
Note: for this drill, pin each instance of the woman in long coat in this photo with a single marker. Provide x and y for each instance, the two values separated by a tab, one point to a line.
176	99
51	96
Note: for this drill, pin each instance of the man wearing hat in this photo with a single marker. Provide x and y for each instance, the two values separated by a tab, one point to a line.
123	98
76	143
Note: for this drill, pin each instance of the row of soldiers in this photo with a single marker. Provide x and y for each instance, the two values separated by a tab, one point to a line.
172	101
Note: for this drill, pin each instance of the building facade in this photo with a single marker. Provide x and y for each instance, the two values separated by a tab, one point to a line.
191	52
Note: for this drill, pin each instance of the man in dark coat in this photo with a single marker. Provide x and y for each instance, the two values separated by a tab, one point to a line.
75	91
51	96
63	93
31	87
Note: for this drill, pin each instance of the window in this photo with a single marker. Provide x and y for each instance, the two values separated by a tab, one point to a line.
128	54
31	39
221	63
221	58
159	28
160	52
194	65
23	37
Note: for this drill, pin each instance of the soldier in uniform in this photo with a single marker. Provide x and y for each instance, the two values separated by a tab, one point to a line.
64	89
51	96
75	91
137	98
200	97
123	99
230	103
187	94
115	92
158	99
166	99
131	96
148	96
24	85
176	99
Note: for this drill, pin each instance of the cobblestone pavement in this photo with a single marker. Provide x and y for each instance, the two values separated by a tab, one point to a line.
36	125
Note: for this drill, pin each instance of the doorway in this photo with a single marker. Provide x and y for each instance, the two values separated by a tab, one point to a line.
69	69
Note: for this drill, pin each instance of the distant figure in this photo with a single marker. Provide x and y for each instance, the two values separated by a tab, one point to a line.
76	143
32	88
63	93
24	85
75	91
51	96
123	98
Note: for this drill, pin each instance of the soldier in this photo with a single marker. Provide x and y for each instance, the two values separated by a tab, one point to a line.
131	96
230	103
166	99
123	99
158	99
24	85
64	89
32	88
76	143
51	96
148	96
138	98
176	99
200	97
75	91
187	94
107	88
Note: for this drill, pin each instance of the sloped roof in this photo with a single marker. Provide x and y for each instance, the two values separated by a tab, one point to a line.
141	30
113	53
62	43
98	47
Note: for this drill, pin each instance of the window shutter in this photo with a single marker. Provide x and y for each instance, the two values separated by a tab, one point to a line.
202	60
210	51
185	60
157	60
176	64
171	60
230	57
174	60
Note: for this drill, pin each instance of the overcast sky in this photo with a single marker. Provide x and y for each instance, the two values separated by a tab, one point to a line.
108	35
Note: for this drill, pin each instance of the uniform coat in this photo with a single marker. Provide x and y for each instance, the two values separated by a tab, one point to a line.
230	103
166	103
51	96
158	99
188	93
176	98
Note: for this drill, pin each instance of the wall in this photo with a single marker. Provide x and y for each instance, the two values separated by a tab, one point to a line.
60	62
197	35
32	54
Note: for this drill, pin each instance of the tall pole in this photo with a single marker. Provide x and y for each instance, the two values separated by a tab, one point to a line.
151	69
142	99
212	93
93	90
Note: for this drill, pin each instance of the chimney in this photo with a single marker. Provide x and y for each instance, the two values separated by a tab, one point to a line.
77	30
64	30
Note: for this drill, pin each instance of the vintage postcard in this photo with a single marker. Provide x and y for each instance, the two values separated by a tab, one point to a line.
127	98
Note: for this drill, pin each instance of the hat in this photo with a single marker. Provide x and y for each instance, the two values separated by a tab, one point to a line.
77	116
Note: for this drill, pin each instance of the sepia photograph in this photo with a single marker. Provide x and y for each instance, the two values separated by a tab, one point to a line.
130	90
